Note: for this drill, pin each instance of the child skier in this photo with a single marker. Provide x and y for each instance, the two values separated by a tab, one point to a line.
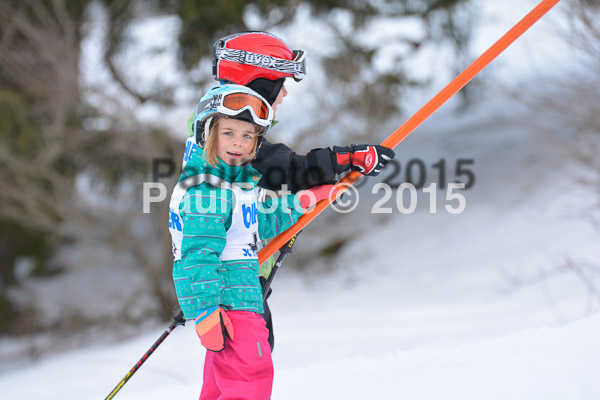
217	216
262	62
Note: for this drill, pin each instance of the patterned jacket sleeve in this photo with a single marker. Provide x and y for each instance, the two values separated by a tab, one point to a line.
278	214
205	212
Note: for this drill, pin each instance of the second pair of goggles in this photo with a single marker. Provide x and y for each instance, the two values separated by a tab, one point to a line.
234	100
295	67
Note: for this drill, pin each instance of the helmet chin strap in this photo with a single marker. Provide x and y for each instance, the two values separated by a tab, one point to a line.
258	144
205	131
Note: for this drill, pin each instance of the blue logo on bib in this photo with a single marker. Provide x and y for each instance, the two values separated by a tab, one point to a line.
190	148
174	221
250	215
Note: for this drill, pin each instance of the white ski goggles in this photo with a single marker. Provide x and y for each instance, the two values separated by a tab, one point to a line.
235	103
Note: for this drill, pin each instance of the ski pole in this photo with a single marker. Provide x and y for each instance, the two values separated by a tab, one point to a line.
283	252
177	320
417	119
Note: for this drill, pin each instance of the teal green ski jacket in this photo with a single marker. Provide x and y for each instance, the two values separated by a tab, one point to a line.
201	213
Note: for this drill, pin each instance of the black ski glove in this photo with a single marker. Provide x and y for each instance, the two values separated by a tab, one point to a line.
365	158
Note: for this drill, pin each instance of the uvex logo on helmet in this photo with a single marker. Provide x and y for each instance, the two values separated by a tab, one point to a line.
260	60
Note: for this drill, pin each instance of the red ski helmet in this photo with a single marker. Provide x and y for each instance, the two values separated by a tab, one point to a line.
242	57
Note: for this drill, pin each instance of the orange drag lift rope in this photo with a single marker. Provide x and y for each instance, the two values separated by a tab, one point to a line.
417	119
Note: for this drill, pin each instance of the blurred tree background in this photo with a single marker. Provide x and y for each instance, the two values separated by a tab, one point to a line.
74	155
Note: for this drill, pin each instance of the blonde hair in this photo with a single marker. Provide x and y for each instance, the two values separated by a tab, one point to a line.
210	146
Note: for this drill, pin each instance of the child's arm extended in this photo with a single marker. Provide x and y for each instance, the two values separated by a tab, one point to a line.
278	214
204	210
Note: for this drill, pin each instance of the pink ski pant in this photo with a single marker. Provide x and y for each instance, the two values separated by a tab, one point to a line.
244	369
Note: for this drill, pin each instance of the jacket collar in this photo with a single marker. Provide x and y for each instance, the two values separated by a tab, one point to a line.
245	174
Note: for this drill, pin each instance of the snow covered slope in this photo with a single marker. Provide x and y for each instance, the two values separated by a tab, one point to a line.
420	306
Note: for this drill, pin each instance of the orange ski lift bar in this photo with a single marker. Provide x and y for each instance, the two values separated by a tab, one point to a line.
417	119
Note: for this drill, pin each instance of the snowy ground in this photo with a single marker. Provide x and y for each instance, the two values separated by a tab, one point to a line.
421	306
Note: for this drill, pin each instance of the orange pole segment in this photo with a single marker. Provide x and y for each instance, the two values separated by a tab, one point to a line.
418	118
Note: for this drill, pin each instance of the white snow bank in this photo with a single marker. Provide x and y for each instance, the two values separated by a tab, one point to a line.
541	363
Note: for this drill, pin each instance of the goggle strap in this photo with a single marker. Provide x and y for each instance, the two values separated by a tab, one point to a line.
295	68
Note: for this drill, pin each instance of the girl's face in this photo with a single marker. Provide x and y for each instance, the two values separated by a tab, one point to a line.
236	141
